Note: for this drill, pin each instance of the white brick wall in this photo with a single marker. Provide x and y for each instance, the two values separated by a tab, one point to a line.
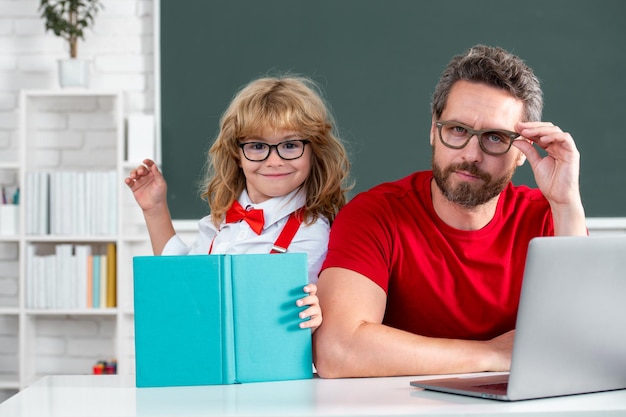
65	129
120	47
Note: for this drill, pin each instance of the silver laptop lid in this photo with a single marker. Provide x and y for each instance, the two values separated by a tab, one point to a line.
571	325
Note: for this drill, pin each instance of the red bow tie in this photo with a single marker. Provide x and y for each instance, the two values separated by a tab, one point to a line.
253	217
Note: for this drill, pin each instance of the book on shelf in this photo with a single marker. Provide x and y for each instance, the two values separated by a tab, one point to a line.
111	288
83	275
65	276
104	263
219	319
95	303
36	199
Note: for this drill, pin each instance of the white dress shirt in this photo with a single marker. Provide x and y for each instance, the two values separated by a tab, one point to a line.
239	238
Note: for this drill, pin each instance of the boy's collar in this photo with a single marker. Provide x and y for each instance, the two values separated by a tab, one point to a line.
276	208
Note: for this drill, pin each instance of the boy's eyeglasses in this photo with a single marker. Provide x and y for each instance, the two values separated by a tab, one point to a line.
456	135
287	150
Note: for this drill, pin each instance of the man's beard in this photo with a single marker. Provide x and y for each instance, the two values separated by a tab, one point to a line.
465	194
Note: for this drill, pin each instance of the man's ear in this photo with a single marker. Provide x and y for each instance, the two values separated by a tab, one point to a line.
433	132
521	158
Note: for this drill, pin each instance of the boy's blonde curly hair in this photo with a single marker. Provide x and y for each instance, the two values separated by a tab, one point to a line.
291	103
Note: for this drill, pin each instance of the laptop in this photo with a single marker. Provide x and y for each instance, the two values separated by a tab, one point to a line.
570	333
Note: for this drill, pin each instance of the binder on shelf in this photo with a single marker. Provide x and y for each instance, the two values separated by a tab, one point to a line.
140	139
219	319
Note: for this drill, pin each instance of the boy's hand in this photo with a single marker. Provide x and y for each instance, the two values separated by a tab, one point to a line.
148	185
314	312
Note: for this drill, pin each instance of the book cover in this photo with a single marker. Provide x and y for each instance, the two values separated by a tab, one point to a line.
219	319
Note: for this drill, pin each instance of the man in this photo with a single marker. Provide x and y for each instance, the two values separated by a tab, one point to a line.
423	275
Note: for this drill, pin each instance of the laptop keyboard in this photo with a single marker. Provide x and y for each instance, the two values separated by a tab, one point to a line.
501	386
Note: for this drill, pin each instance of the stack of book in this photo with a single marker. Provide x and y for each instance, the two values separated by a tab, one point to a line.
71	203
73	277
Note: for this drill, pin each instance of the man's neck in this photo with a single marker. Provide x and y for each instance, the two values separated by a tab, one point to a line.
459	217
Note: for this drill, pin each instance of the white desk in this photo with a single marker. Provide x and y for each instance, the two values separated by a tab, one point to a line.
116	396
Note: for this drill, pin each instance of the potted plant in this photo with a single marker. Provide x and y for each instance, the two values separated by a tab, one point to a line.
68	19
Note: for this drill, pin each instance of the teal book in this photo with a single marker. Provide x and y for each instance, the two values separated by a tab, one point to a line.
220	319
95	299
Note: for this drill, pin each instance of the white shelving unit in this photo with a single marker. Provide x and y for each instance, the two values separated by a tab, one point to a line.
78	131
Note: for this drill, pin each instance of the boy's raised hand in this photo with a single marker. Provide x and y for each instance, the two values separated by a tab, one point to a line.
148	185
314	312
150	190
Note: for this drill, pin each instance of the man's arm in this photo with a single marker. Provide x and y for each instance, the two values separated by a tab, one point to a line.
353	342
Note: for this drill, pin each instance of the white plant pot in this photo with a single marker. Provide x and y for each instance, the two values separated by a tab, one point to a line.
73	72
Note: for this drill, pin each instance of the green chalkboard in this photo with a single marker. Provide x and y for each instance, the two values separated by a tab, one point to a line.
378	63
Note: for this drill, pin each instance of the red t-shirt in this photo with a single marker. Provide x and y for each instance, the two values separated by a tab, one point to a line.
440	281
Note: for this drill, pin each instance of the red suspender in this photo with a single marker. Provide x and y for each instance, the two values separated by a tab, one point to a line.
286	235
211	247
288	232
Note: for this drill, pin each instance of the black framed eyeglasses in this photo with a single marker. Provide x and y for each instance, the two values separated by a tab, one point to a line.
287	149
456	135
